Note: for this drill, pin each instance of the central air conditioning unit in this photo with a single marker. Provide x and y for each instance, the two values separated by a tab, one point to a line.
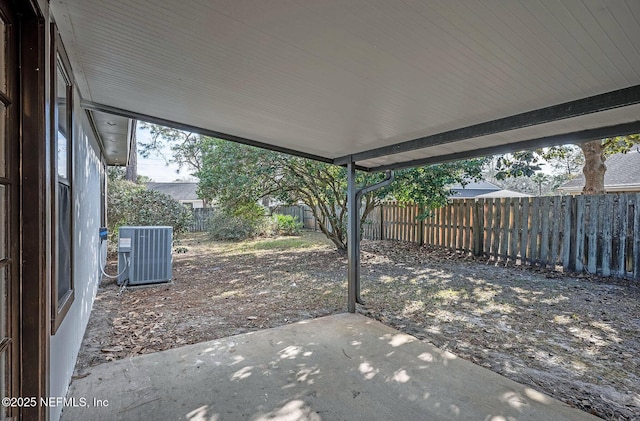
145	252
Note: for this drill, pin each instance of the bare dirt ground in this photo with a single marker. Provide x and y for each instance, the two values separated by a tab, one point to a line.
572	337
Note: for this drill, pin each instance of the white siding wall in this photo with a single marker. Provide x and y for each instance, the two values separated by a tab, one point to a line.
196	204
65	344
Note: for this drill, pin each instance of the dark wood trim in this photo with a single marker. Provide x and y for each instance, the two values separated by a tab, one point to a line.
53	178
10	99
62	52
36	293
3	98
5	343
63	305
60	307
31	8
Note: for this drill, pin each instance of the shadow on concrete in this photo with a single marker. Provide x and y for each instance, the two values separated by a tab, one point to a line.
340	367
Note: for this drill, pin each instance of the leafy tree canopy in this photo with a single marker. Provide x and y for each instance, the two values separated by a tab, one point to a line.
565	157
184	146
236	175
119	173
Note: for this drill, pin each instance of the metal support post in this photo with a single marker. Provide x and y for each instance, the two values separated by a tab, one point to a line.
354	197
353	237
388	179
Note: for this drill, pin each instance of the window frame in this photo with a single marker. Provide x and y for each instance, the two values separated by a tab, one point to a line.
59	60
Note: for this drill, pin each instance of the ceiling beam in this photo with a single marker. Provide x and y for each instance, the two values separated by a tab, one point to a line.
542	142
607	101
87	105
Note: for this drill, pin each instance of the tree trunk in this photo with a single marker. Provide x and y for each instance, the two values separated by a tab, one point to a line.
132	165
594	167
335	235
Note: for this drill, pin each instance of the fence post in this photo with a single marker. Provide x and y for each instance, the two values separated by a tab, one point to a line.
524	234
381	221
579	232
636	236
420	226
568	234
606	231
620	224
478	228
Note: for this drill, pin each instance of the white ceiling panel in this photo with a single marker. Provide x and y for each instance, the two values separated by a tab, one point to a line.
114	133
338	77
572	125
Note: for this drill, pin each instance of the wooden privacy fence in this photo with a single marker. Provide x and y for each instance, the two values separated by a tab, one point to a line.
302	212
597	234
200	218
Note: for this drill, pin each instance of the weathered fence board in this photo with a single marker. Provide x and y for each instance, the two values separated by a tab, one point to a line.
599	234
567	231
579	236
524	241
297	212
495	227
467	226
544	231
555	216
504	228
534	232
592	228
606	236
621	234
512	248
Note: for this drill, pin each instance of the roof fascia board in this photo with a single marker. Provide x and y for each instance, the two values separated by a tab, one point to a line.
95	131
574	137
607	188
597	103
622	187
187	127
131	138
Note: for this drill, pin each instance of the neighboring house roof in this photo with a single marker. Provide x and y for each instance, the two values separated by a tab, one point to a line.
473	189
503	193
179	191
623	174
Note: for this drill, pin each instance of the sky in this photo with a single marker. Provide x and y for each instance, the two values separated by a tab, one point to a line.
156	167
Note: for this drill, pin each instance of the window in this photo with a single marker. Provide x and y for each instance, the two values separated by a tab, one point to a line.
62	293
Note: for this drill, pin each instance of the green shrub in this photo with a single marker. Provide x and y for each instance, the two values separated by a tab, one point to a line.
133	204
252	213
238	223
222	226
287	225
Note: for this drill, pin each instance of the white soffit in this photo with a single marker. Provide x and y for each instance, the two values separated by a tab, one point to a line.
114	133
333	78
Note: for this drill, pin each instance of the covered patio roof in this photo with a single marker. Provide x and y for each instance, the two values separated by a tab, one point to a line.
383	83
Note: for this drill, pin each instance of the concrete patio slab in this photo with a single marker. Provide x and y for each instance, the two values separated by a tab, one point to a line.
341	367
